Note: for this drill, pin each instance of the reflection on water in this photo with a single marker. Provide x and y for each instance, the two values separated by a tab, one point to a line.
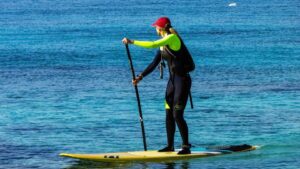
139	165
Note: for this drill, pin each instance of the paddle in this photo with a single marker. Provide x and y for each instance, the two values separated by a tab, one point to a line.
191	100
137	97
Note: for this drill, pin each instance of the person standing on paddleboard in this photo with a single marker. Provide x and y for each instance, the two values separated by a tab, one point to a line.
180	63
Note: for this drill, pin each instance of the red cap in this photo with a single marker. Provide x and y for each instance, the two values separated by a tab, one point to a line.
162	22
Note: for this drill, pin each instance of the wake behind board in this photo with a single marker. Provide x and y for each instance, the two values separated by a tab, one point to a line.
154	155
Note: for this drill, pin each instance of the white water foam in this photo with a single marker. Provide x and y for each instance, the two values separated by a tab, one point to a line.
233	4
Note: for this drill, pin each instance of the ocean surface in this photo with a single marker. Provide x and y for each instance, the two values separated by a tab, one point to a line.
65	82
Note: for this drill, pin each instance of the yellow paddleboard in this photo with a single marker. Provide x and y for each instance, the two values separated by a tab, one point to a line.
154	155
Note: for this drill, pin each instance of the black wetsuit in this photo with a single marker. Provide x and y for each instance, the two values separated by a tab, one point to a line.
177	91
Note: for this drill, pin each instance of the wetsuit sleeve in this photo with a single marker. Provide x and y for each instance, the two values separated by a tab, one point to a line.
171	40
152	65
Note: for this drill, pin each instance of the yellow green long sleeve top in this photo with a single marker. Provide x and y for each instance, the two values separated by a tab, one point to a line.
171	40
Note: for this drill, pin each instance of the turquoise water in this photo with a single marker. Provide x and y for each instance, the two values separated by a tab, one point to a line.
65	83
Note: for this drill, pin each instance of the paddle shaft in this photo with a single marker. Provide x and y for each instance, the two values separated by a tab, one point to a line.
137	97
191	100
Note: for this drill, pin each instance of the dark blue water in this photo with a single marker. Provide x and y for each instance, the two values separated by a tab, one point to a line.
65	83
